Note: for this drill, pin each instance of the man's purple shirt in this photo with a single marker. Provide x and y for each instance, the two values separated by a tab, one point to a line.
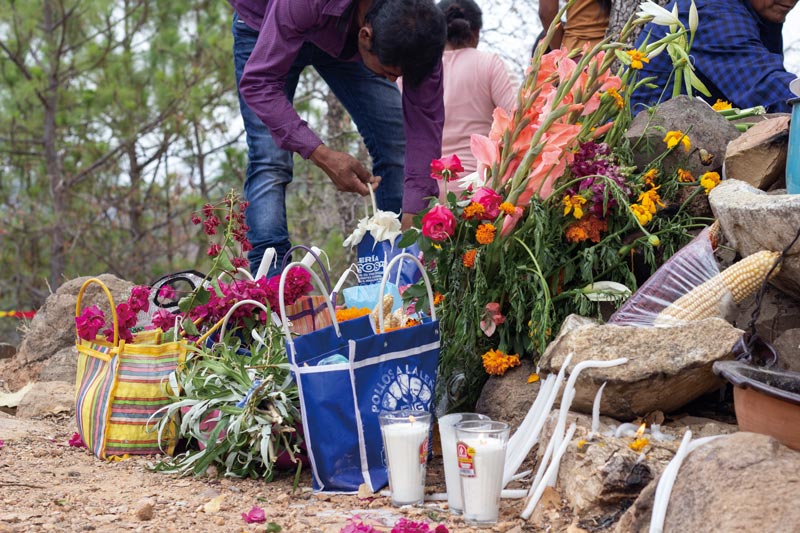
284	25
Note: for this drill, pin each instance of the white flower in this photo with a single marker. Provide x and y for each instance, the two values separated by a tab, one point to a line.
384	226
473	180
659	15
606	291
358	233
693	18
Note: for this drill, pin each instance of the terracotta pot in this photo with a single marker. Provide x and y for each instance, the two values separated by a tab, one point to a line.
766	401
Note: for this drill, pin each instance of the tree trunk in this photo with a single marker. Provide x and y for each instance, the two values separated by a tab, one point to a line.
621	11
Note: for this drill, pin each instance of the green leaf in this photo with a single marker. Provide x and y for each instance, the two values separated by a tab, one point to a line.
190	328
225	262
408	238
202	296
272	527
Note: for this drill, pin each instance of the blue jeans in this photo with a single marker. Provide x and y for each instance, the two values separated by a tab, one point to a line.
375	105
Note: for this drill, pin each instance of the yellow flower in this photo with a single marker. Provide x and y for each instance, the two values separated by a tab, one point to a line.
533	378
581	445
721	105
643	215
496	362
573	203
485	233
685	176
637	58
709	180
507	208
651	200
618	100
672	138
650	176
473	210
468	259
639	444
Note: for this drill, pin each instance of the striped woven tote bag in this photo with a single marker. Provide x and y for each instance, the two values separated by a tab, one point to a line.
121	386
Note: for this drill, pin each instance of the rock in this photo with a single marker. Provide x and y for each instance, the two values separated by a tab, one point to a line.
758	156
12	428
53	327
753	220
7	351
62	366
709	131
47	398
778	323
742	482
667	367
145	510
509	397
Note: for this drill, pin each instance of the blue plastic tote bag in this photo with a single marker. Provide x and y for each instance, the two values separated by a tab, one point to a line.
372	371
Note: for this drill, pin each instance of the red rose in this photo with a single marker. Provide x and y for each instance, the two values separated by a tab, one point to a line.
439	223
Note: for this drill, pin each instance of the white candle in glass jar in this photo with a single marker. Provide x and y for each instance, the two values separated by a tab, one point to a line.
481	462
406	446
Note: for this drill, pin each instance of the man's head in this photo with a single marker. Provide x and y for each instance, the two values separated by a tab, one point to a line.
402	37
773	10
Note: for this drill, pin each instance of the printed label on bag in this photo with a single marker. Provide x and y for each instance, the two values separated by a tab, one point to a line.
403	387
466	460
370	269
423	452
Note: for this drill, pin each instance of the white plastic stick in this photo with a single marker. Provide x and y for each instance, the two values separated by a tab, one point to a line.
266	261
552	468
596	410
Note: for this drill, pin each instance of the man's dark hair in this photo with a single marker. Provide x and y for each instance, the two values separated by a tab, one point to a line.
464	18
605	5
409	35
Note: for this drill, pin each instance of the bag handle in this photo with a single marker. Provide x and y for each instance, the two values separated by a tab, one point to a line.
313	252
374	202
282	302
352	269
385	278
234	307
95	281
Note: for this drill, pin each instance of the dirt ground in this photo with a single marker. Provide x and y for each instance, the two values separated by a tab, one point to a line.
46	485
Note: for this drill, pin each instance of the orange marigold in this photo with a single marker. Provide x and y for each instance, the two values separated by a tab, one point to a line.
496	362
685	176
588	228
437	298
468	259
485	233
576	233
350	313
650	176
473	210
507	208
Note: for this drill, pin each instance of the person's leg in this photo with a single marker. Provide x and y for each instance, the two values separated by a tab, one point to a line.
269	168
375	105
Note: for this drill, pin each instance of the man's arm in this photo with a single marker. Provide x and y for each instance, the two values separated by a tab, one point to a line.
282	34
423	120
548	9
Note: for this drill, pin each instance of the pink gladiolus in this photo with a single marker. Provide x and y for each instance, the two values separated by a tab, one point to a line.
501	121
490	201
493	318
90	321
485	150
510	222
439	223
256	515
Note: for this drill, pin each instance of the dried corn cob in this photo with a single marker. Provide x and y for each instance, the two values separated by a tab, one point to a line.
715	234
388	303
710	298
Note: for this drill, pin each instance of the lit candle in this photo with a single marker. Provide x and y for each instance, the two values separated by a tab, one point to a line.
481	452
405	441
447	435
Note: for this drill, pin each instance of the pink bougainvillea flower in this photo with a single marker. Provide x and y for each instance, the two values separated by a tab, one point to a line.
163	319
90	321
358	527
140	299
167	292
493	318
405	525
2	443
490	201
256	515
439	223
76	441
446	168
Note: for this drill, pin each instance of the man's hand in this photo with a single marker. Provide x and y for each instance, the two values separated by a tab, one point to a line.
346	173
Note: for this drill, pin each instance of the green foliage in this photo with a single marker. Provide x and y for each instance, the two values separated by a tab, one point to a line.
250	400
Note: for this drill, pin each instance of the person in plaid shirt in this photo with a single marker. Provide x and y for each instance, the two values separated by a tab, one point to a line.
737	54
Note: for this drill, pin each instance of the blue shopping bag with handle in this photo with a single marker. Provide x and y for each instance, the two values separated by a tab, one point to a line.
346	375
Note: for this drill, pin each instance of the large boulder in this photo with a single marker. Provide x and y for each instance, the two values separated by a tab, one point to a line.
742	482
758	156
46	399
53	327
509	397
753	220
708	131
667	367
